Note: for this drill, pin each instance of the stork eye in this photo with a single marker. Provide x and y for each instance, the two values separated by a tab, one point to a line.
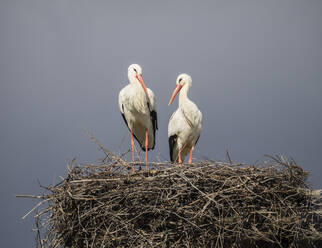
180	80
134	69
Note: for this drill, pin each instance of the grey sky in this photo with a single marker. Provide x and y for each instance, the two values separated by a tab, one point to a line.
255	65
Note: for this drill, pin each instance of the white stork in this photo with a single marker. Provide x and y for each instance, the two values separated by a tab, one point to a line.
185	124
138	108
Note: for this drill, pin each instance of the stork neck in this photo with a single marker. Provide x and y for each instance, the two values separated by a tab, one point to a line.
183	96
136	84
140	95
133	80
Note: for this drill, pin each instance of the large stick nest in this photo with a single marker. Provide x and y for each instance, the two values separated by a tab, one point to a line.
205	204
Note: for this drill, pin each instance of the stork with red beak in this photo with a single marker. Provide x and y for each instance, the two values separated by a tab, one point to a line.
185	124
138	108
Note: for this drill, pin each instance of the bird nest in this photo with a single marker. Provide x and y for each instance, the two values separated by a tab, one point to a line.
204	204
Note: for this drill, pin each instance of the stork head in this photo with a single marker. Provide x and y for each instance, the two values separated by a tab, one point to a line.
134	73
182	80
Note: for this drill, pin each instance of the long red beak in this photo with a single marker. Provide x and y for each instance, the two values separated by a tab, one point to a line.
175	92
139	77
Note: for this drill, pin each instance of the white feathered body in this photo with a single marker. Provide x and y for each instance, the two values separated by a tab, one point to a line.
139	112
184	127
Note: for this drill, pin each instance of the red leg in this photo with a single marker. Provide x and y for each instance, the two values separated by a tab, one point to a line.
146	150
180	161
132	146
190	156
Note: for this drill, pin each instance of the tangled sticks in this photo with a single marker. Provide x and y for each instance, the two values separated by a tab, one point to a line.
205	204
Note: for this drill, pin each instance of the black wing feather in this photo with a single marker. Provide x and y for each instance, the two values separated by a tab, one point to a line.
125	121
154	119
172	142
197	140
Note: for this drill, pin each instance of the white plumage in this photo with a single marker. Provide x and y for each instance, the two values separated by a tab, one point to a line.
138	108
134	107
185	124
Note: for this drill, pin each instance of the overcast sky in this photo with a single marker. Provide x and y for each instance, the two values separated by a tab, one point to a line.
256	70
